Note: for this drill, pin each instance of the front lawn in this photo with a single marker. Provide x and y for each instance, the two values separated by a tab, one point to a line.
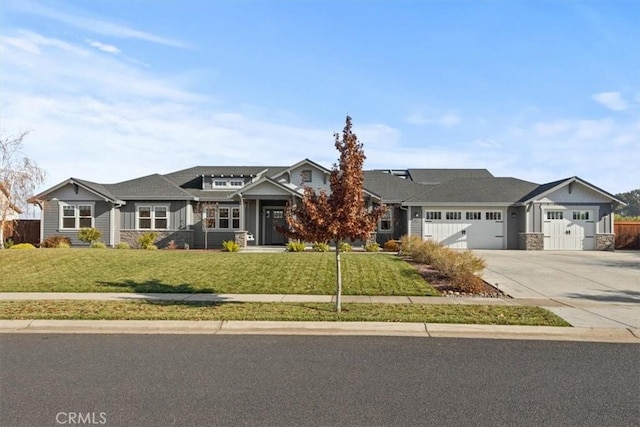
172	310
99	270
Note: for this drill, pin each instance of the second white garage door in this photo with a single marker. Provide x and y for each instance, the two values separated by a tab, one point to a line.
466	229
566	229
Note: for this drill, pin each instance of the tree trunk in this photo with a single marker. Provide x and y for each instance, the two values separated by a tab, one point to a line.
338	277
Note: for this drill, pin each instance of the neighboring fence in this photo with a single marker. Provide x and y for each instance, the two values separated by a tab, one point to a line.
627	235
22	231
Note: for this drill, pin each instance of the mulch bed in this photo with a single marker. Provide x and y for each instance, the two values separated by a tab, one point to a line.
444	285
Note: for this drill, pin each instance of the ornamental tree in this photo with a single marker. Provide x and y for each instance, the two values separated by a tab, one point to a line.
341	214
19	176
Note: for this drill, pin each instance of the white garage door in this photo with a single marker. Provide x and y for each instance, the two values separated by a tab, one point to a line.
569	230
466	229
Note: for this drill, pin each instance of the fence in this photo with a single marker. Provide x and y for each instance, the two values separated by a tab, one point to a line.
627	235
22	231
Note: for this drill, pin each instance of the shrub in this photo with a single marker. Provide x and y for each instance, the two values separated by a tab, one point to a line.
147	239
23	246
89	235
372	247
296	246
410	244
63	245
321	247
391	246
172	245
151	248
230	246
346	247
462	268
98	245
8	243
123	245
54	242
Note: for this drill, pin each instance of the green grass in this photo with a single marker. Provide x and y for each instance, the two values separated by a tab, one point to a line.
84	270
164	310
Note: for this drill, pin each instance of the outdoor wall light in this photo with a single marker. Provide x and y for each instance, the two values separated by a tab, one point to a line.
513	214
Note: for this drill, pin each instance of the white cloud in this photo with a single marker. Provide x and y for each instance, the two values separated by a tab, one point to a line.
445	120
108	48
94	24
611	100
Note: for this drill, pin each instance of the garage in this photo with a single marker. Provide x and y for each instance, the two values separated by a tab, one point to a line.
466	229
569	229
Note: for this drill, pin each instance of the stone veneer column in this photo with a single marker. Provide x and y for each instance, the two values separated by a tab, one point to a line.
605	242
532	241
241	238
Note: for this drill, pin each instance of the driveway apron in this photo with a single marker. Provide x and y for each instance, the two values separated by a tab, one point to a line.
588	289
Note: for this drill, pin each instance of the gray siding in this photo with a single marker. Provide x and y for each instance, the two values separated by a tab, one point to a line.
515	226
416	221
51	221
177	214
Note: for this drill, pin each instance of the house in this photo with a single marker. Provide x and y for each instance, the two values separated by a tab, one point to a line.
203	206
8	210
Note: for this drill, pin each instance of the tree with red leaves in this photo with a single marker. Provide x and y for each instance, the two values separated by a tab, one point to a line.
340	215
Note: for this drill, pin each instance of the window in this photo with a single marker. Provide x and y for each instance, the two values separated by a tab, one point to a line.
386	224
77	216
473	215
581	215
306	175
453	215
153	217
235	217
555	215
236	183
210	220
219	183
433	215
222	218
493	216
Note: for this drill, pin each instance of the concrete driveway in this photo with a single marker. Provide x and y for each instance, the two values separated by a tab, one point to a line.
588	289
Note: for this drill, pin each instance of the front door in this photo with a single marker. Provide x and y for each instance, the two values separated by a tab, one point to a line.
273	217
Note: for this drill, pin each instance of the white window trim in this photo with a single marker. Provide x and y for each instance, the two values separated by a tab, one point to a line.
230	218
153	207
62	205
390	219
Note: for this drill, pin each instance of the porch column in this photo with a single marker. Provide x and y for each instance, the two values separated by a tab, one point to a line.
242	224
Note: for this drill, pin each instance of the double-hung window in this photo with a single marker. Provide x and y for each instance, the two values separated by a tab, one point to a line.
223	218
386	222
76	216
153	217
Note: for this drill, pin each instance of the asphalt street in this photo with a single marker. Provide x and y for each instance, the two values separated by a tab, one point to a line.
204	380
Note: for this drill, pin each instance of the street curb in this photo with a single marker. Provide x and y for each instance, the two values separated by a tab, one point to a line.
425	330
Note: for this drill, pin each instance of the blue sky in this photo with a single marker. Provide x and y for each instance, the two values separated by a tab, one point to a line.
112	90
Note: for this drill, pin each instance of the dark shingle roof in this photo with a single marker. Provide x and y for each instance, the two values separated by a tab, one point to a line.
476	190
148	188
391	188
436	176
101	189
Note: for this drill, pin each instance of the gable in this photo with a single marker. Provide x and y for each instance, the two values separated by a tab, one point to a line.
71	192
575	192
266	188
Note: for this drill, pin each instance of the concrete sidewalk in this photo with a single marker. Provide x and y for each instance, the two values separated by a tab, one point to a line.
589	319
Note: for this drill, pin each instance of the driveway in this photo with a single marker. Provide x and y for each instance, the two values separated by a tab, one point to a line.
589	289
